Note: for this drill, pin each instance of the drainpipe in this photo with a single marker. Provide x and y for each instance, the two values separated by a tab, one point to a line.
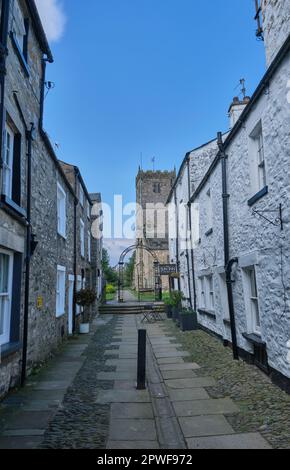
30	138
3	56
177	239
228	262
194	303
75	252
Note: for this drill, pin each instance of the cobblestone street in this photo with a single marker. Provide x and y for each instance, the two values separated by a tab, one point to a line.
197	397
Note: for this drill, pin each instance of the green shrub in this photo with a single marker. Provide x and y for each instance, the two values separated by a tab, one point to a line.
110	289
176	298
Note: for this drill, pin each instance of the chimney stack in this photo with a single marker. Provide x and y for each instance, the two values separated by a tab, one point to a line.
236	109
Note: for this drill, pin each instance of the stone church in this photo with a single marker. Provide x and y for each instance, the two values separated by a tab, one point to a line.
152	190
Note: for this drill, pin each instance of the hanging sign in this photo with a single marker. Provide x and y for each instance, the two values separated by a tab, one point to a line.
167	269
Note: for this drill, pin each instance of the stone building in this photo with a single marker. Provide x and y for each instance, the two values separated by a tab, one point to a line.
152	189
238	248
37	209
97	247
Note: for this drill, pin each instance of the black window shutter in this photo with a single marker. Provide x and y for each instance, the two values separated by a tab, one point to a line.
16	182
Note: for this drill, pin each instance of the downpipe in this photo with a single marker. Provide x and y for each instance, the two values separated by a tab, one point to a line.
228	262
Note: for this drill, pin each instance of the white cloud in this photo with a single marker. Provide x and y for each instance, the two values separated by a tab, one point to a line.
53	18
116	247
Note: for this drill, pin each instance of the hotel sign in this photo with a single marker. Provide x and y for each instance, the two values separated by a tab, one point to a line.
167	269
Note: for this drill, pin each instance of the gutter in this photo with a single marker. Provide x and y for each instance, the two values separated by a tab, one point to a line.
263	85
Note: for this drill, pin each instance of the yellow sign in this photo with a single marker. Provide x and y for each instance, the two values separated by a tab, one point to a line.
39	303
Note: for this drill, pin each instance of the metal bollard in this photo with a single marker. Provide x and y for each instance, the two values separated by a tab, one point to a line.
141	366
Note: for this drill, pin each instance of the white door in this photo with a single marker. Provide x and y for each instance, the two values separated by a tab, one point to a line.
70	304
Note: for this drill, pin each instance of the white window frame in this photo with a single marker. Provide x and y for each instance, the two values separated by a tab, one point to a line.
79	287
89	247
252	300
202	293
209	210
82	196
82	237
60	291
61	211
257	159
223	292
6	300
88	210
210	302
19	28
8	161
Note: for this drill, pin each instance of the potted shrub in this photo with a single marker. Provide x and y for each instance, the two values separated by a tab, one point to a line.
85	298
176	298
188	320
168	307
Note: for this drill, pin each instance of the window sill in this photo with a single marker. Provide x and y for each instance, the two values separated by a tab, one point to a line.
209	232
20	55
64	237
227	322
9	349
60	315
207	313
254	339
13	206
258	196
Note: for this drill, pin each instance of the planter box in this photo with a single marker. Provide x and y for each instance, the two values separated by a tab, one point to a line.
175	314
188	322
168	310
84	328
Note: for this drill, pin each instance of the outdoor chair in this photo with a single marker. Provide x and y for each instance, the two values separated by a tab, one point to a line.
150	314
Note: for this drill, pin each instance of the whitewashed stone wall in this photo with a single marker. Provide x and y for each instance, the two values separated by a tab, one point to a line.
253	240
276	21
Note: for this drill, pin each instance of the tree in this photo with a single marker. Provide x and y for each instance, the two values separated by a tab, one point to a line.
110	275
129	271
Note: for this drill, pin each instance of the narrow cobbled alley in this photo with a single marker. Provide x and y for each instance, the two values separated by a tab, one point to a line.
197	397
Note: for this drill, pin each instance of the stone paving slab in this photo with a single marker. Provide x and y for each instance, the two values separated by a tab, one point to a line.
125	385
132	430
116	375
198	382
47	386
170	360
251	441
20	443
200	426
179	366
166	355
188	394
120	445
205	407
178	374
28	420
23	433
120	362
131	411
123	396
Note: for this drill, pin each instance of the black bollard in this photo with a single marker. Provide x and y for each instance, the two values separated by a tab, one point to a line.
141	366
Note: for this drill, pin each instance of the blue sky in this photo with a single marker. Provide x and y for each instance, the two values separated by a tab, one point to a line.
150	76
